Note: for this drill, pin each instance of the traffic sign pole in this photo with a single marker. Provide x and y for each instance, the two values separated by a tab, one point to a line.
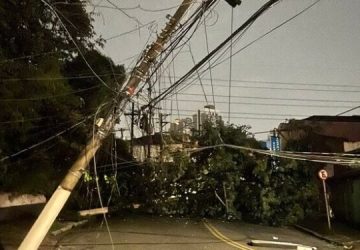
327	205
323	176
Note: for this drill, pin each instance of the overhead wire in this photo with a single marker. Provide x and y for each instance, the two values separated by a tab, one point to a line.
215	51
48	96
244	117
46	140
271	104
248	113
347	111
267	33
280	88
124	12
198	75
230	65
264	82
129	31
55	78
97	178
210	70
31	56
288	20
180	33
275	98
75	44
308	156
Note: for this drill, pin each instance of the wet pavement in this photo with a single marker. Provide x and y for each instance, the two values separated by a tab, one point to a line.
145	232
340	233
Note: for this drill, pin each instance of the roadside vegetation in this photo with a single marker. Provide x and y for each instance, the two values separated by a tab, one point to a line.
216	182
45	88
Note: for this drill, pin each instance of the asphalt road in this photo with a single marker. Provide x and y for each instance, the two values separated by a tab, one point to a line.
143	232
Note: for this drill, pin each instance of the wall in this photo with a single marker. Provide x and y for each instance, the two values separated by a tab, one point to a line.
14	205
345	200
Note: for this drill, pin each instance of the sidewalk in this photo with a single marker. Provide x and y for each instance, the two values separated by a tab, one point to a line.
340	234
13	232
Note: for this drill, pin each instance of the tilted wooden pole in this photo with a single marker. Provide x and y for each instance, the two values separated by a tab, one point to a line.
53	207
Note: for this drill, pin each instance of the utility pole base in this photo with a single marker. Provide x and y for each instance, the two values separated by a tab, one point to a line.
43	223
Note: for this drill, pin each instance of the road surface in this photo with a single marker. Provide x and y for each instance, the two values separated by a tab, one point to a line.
142	232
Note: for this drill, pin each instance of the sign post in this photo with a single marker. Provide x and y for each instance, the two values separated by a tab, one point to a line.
323	176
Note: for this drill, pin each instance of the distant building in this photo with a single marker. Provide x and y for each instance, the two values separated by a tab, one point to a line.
332	134
141	150
209	114
328	133
181	126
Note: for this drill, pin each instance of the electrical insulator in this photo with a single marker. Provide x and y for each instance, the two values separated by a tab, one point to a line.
233	3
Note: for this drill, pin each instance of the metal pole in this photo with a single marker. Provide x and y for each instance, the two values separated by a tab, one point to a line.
327	205
51	210
198	121
132	128
226	201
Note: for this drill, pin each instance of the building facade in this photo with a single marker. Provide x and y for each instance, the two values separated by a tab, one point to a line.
332	134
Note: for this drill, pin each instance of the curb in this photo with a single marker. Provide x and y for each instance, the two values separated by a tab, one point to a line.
68	227
320	236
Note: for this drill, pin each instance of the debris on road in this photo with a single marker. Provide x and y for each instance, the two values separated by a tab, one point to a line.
269	243
68	227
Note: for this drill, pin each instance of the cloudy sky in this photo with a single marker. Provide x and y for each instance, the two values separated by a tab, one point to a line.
308	66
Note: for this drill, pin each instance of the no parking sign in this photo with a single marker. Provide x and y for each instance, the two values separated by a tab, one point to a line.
323	174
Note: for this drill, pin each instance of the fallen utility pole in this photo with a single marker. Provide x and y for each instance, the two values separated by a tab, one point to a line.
53	207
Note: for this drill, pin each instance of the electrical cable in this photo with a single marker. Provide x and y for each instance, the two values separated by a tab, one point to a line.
97	179
272	104
210	70
183	30
46	140
217	49
267	33
299	13
247	113
281	83
278	88
347	111
76	45
55	78
124	12
350	161
40	98
244	117
129	31
230	65
275	98
198	75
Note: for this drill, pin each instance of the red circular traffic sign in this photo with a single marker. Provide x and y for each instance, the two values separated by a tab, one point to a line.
323	174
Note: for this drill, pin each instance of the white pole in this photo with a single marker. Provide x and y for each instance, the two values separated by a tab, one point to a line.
327	205
43	223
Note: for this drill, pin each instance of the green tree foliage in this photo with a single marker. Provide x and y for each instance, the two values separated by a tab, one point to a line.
254	187
277	192
43	90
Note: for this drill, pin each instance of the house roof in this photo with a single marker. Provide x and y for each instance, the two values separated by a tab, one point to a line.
326	118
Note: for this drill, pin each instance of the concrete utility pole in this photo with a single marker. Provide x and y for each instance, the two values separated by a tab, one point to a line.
162	123
149	127
132	115
53	207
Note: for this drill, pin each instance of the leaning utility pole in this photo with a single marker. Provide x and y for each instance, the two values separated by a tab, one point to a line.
53	207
